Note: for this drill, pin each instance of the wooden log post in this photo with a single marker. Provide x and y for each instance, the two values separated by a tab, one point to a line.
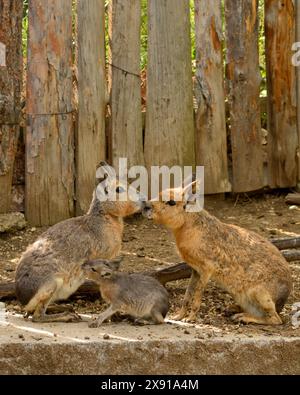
297	4
125	83
211	146
282	120
90	139
244	79
50	132
169	136
11	71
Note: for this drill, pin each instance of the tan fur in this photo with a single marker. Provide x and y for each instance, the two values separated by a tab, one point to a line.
242	262
50	269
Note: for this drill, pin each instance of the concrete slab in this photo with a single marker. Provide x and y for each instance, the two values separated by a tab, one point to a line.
57	348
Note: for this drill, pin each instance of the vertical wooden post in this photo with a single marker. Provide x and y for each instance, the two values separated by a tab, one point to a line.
169	138
11	71
211	146
50	133
298	87
125	83
244	89
282	122
90	141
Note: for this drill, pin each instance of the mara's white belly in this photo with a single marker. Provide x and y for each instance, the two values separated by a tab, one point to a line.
68	288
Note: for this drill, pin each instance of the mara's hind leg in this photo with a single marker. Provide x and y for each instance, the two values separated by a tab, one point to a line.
157	317
261	309
39	304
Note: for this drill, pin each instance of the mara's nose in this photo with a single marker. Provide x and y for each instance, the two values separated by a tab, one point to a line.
147	210
147	206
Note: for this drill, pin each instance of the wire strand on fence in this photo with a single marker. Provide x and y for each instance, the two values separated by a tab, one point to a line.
124	71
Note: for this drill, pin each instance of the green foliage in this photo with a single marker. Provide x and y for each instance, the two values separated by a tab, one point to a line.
193	39
25	27
144	35
261	44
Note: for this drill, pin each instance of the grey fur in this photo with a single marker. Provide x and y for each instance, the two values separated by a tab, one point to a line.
138	295
50	269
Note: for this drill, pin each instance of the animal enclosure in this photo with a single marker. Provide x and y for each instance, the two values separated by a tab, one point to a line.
196	101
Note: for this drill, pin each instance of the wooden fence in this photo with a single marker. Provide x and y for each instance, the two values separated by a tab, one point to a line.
70	128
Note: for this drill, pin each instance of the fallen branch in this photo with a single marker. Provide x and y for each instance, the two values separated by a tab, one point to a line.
172	273
179	271
293	198
89	288
7	291
286	243
291	255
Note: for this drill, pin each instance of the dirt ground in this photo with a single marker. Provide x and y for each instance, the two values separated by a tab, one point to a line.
147	246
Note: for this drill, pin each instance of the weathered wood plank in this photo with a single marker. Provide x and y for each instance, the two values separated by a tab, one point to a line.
125	83
244	87
211	146
11	71
297	5
90	139
282	122
50	132
169	137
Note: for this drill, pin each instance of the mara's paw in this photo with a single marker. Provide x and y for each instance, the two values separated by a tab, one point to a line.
180	316
238	318
72	317
191	318
140	322
245	318
26	315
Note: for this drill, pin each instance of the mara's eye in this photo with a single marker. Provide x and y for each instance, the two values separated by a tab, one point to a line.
171	203
120	190
94	270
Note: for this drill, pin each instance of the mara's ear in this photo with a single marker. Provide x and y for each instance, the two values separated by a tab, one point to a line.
104	170
114	264
105	175
189	192
189	179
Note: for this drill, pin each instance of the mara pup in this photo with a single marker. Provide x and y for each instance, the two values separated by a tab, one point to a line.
51	268
242	262
137	295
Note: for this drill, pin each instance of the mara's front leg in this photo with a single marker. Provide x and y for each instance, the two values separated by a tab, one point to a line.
111	310
194	280
204	278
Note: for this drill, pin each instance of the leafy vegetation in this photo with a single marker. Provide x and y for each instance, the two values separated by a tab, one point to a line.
25	26
144	36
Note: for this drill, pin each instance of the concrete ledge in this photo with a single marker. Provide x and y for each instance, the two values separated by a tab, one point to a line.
26	348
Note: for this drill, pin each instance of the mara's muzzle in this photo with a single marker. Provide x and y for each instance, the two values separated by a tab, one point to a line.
147	210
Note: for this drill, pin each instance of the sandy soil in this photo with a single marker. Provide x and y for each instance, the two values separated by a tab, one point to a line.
146	246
